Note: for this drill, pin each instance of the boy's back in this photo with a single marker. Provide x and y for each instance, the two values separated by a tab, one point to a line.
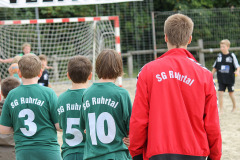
106	110
30	110
69	107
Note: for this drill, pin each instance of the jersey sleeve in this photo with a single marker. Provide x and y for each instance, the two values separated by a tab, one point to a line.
211	122
53	107
5	119
139	118
59	113
127	106
235	61
82	118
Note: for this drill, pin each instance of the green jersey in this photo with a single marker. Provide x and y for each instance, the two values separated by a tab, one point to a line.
31	111
21	54
105	115
69	106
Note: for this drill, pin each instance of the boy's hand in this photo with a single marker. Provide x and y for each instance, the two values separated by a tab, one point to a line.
126	141
236	73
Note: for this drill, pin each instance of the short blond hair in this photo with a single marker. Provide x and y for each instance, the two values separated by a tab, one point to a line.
178	28
226	42
30	66
25	45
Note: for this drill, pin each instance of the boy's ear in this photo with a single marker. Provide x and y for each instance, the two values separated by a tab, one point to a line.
68	76
90	76
190	40
40	73
165	38
19	74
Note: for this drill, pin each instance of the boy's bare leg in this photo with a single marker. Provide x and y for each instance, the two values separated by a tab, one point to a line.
220	100
231	94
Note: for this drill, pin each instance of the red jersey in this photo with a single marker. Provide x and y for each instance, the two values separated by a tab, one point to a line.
175	110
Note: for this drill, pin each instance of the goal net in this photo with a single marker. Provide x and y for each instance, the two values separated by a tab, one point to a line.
59	39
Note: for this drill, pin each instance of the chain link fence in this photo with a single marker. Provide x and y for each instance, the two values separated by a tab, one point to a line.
211	25
135	21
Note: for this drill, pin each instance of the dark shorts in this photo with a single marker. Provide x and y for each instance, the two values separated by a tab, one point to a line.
222	87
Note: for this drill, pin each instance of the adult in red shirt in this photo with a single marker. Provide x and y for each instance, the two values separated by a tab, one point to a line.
175	114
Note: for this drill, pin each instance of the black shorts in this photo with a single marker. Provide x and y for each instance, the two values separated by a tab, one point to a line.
222	87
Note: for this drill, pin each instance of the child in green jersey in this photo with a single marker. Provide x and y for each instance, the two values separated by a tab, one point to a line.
7	151
30	112
106	111
69	106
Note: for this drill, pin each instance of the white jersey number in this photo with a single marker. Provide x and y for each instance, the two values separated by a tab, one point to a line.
99	126
78	137
32	127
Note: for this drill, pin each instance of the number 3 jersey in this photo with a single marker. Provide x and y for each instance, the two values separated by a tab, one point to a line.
69	106
31	111
105	115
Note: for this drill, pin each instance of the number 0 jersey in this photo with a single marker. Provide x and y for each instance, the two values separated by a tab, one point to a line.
106	113
31	111
69	106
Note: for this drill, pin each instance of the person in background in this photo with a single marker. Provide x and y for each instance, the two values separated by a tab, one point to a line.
13	69
226	66
44	79
26	48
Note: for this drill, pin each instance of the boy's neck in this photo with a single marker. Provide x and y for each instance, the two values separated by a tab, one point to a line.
225	53
29	81
170	46
107	80
79	85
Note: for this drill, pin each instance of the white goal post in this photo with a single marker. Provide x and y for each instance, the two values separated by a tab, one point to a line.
59	39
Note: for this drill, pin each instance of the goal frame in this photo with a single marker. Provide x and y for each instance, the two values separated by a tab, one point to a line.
115	19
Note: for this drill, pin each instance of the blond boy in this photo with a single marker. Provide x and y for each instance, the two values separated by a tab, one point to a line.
26	48
30	112
226	66
175	114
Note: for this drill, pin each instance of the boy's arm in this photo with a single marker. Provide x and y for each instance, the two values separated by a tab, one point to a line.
5	130
211	122
57	127
9	60
126	117
139	120
213	71
53	110
237	71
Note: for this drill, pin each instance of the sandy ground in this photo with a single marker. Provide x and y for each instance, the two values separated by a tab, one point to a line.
230	122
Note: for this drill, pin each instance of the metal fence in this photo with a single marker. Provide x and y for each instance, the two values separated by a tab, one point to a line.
211	25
